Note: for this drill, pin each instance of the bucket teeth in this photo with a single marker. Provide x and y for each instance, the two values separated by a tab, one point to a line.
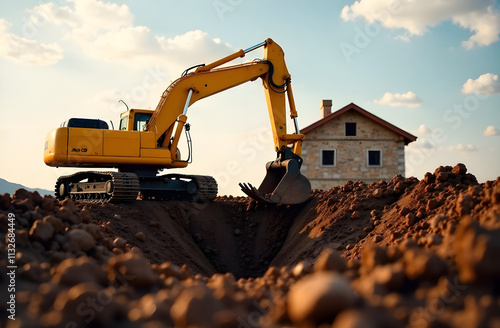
252	192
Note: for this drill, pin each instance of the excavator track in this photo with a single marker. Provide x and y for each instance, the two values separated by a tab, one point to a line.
207	188
113	187
197	188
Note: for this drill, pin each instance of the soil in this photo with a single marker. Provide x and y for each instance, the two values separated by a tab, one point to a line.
398	253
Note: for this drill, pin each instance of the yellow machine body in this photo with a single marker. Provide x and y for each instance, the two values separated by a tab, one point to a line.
98	147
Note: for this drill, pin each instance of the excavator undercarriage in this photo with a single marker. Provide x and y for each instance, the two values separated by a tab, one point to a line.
116	187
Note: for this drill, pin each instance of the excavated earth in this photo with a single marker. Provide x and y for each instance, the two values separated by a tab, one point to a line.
398	253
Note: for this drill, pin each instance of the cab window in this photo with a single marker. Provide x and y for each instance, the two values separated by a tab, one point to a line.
140	120
123	123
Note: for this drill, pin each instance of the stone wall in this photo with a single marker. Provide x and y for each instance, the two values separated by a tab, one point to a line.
351	152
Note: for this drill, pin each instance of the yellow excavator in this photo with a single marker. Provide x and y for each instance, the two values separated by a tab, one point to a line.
147	141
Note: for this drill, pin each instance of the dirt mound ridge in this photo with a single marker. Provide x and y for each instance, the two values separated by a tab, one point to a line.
388	254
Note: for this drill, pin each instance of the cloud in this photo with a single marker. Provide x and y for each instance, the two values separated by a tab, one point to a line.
478	16
491	131
428	139
106	32
408	99
462	148
25	50
422	130
485	84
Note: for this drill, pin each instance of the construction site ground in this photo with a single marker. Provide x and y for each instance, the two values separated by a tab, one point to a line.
398	253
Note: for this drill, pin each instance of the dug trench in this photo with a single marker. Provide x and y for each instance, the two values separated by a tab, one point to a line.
238	235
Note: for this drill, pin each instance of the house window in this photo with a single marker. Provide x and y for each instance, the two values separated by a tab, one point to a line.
374	157
350	129
328	157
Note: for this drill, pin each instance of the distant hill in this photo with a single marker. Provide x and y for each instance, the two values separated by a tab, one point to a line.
10	187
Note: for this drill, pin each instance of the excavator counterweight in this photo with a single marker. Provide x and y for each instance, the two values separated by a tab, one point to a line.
147	141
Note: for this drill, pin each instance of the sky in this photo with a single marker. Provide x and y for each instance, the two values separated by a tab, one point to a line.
429	67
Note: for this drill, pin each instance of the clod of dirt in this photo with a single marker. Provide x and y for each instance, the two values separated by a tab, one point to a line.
330	260
41	230
195	306
477	250
74	271
79	240
131	268
319	297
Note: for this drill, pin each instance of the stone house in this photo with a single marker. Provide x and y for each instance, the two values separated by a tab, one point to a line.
352	144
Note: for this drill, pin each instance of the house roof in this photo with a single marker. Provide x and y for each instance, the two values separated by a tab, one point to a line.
408	137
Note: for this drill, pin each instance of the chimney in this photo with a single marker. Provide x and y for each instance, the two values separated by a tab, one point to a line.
326	107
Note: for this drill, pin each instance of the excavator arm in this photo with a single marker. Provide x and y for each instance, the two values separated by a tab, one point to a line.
211	79
283	183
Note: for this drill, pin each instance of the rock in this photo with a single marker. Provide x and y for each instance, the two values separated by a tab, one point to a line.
391	276
476	252
42	231
22	194
319	297
442	176
422	265
4	223
441	217
168	269
411	219
272	272
5	201
85	298
85	216
432	204
66	215
355	215
195	306
74	271
56	223
94	231
373	256
223	282
465	203
421	213
365	318
48	204
119	242
378	193
69	204
459	169
429	178
433	240
301	269
140	236
79	239
131	268
404	211
24	205
330	260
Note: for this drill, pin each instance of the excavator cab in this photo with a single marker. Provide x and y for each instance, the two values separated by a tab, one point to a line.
135	119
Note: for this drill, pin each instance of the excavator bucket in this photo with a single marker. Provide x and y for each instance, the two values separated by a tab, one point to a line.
283	184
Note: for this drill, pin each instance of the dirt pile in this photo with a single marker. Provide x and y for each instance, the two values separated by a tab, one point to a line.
398	253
